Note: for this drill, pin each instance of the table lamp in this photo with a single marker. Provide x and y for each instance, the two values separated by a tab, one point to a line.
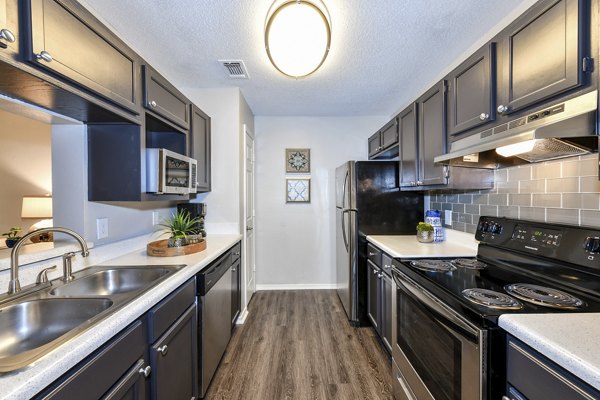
38	207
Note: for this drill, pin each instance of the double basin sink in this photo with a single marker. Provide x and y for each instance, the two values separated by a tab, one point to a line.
38	322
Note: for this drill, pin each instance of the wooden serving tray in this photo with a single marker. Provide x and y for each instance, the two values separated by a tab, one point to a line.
160	248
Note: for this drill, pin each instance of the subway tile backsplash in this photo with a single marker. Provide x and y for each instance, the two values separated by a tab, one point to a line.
563	191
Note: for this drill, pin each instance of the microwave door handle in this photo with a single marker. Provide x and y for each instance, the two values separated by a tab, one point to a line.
416	291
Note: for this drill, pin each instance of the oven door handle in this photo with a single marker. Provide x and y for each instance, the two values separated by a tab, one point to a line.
433	303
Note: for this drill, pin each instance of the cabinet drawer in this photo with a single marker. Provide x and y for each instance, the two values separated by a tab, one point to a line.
374	254
164	99
386	264
64	42
538	379
166	312
98	374
236	252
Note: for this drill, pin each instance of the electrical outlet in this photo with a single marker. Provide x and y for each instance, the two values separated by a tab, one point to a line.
155	217
448	217
101	228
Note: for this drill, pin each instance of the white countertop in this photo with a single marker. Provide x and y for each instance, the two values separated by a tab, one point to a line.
457	244
570	340
28	381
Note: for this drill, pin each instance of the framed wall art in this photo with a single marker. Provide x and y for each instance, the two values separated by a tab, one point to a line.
297	190
297	161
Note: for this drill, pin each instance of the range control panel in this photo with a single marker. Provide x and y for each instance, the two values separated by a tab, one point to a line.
534	236
572	244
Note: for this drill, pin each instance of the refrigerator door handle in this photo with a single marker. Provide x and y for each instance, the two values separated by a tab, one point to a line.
348	210
344	190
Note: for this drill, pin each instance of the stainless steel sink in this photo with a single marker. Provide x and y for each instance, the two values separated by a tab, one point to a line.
112	281
42	317
28	328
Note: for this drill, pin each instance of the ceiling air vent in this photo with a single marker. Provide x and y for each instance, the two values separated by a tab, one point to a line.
235	68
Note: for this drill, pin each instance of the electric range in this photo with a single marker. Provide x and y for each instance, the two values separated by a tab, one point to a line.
446	341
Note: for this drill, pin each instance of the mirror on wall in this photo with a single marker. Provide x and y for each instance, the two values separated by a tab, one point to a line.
26	178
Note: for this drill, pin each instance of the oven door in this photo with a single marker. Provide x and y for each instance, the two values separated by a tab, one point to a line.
437	353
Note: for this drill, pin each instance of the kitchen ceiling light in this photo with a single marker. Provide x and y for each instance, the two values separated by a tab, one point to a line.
516	148
297	36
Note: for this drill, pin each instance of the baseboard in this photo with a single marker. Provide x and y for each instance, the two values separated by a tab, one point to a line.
298	286
242	317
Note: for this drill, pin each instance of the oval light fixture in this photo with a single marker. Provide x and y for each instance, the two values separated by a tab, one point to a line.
297	36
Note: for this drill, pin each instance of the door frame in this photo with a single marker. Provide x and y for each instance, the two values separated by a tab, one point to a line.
246	296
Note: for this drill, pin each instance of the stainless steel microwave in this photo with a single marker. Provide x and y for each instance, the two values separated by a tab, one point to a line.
168	172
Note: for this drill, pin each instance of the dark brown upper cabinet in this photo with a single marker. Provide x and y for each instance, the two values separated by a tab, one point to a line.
199	145
384	143
9	29
64	42
164	99
432	135
472	91
543	55
409	150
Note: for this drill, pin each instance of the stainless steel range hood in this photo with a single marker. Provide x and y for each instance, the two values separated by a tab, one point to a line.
562	130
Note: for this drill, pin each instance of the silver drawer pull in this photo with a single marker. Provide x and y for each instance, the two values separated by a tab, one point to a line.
153	104
163	350
145	371
7	35
44	56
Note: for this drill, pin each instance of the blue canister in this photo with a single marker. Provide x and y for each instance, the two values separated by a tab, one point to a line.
434	218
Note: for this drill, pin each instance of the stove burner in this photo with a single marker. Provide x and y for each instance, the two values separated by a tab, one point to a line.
492	299
544	296
433	265
469	263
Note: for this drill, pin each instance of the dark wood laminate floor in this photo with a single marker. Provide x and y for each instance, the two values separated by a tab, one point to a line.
299	345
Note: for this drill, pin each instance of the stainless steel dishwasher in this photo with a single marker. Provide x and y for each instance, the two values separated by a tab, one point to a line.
214	317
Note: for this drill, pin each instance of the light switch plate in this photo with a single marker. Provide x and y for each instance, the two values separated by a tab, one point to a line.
448	217
102	228
155	217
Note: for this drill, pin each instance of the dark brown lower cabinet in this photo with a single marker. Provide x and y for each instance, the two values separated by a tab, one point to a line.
379	303
132	386
173	359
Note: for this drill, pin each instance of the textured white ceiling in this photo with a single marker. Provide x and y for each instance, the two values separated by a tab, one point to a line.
384	53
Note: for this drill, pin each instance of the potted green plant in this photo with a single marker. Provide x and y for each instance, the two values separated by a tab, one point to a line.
425	232
179	227
12	236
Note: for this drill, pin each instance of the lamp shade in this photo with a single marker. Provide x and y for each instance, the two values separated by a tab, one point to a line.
298	36
37	207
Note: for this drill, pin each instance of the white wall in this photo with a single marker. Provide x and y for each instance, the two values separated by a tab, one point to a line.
296	242
223	202
25	166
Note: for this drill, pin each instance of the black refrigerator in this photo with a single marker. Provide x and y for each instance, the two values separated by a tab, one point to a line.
368	201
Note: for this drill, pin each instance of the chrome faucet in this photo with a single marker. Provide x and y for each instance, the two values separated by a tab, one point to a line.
14	286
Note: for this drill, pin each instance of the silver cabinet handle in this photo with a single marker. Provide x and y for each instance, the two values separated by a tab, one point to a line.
152	104
44	56
7	35
372	254
505	398
374	272
42	277
419	183
232	269
379	276
413	183
502	109
145	371
163	349
484	116
237	253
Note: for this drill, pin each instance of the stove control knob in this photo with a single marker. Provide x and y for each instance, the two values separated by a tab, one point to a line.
592	245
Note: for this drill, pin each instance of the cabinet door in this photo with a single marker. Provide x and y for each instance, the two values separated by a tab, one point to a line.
432	135
235	292
386	311
374	144
132	386
373	293
164	99
199	147
543	55
389	134
472	91
174	360
9	29
407	126
64	43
